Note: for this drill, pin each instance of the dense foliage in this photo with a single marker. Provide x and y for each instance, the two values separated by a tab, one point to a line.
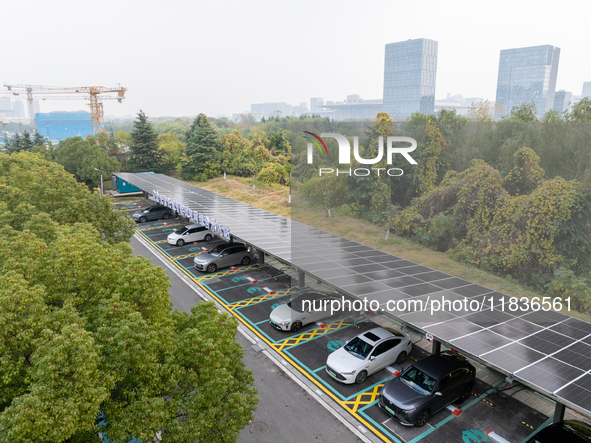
88	341
510	197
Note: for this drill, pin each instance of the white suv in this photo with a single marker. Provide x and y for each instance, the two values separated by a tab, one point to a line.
189	234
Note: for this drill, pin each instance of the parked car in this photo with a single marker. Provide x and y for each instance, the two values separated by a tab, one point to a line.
368	353
155	212
190	233
223	255
426	387
294	315
571	431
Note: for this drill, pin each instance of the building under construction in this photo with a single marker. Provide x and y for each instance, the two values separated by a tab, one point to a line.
56	126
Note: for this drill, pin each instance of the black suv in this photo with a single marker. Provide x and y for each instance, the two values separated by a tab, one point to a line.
426	387
155	212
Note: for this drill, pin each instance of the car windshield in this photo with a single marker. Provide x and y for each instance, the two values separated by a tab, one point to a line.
359	348
146	211
296	304
217	249
182	231
418	380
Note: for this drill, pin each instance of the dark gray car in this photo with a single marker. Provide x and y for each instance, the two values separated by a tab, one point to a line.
426	387
155	212
223	255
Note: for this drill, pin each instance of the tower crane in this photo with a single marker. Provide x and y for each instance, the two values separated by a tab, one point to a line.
92	93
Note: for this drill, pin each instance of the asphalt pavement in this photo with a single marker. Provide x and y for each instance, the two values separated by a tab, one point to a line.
286	412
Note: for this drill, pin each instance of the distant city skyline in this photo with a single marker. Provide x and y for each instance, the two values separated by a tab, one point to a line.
179	69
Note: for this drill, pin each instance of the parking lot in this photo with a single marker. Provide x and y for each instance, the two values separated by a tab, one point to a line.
251	292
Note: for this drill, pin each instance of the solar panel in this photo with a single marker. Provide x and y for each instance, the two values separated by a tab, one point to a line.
548	351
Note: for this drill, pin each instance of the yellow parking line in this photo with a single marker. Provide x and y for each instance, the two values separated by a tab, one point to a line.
251	301
363	399
194	254
221	274
309	335
349	406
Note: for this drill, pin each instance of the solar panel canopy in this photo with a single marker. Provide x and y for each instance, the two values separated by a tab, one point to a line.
546	350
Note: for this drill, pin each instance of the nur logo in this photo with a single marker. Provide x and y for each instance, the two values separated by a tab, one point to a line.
345	153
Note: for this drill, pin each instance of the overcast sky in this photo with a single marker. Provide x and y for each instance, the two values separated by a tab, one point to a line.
185	57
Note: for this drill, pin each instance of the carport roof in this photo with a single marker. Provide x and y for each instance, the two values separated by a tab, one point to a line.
548	351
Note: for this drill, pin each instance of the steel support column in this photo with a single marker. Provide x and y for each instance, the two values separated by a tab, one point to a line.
436	349
301	279
558	413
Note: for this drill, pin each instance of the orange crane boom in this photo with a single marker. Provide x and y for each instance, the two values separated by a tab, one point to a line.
93	95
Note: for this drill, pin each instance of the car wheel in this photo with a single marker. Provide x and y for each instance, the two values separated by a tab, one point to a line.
166	216
212	268
466	394
401	358
361	377
245	261
296	326
207	237
143	219
423	418
180	242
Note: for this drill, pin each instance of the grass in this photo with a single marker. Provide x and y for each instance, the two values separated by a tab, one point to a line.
271	198
275	199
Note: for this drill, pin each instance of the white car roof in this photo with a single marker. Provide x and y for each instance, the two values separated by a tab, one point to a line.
194	225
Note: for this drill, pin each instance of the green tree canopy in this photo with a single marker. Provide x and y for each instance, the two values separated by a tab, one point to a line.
88	331
202	157
144	146
80	157
34	191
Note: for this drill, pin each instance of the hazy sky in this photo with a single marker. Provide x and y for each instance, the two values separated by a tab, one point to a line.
185	57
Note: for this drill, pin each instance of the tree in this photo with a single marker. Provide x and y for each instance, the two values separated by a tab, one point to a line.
88	330
248	119
580	111
170	150
144	144
201	160
31	186
525	112
257	155
552	115
430	164
80	158
38	139
483	112
233	145
526	175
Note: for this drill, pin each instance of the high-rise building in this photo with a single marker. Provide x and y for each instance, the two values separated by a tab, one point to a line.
18	106
316	104
586	89
562	100
527	74
410	71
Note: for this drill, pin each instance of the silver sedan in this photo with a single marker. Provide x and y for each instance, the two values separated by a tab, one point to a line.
223	255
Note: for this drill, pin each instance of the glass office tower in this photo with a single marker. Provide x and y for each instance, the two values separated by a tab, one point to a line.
527	74
410	71
563	100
